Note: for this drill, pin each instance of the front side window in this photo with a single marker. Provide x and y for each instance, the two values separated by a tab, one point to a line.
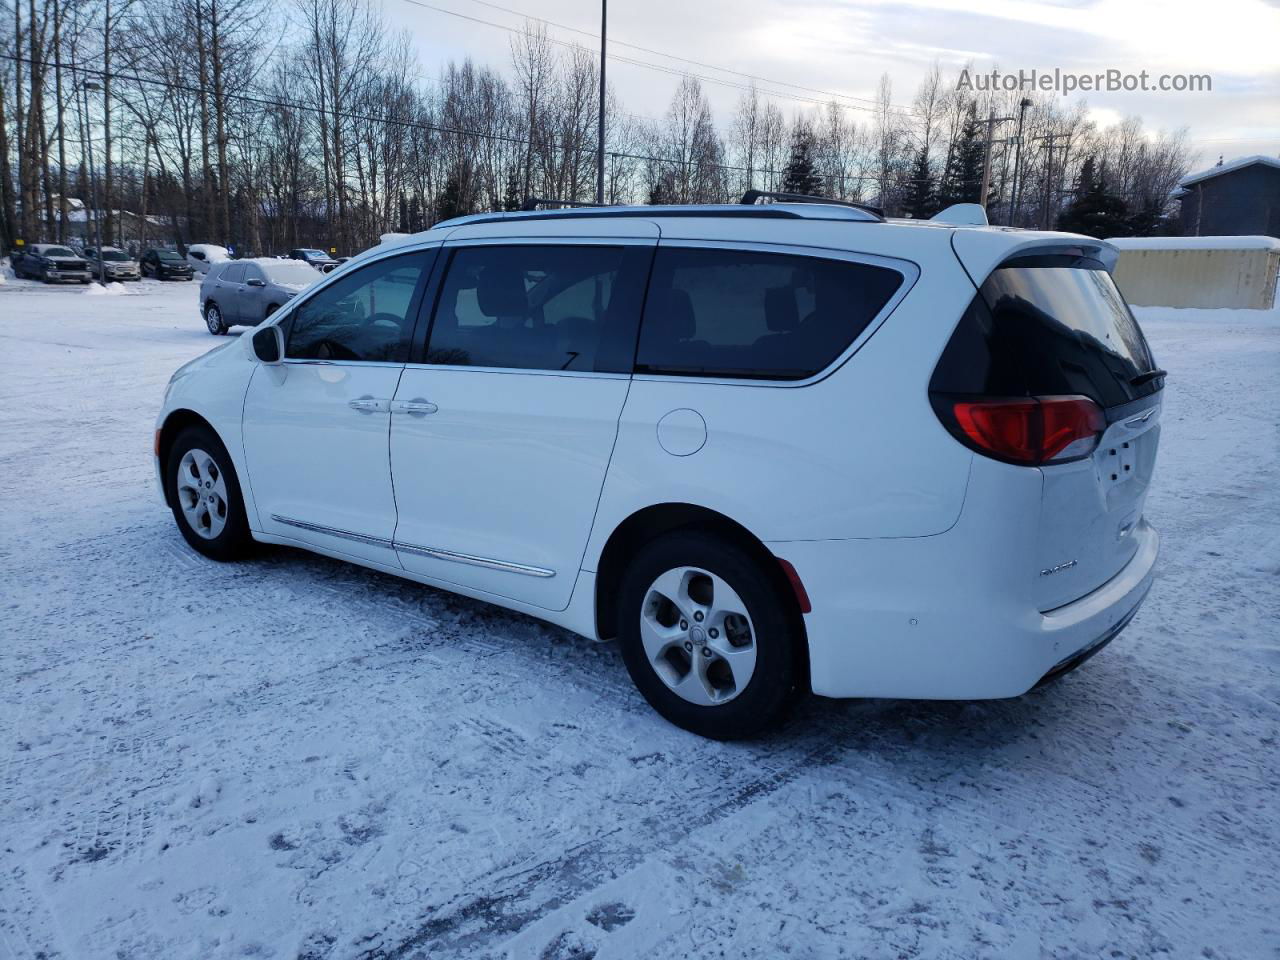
746	314
537	308
233	273
367	315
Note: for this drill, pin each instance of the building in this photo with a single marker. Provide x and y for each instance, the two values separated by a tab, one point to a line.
1240	198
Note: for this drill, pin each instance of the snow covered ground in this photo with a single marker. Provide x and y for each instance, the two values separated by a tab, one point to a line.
299	758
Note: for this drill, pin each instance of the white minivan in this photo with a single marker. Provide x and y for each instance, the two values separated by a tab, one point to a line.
770	448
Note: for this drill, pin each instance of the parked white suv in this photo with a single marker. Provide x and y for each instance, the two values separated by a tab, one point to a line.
769	448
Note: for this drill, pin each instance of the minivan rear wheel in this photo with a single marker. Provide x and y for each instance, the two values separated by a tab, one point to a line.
706	636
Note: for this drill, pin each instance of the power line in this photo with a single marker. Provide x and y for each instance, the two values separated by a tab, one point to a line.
671	71
672	56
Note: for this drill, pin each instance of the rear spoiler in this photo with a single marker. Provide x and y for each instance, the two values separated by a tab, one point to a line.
981	251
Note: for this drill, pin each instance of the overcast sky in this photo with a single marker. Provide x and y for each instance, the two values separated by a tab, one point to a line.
844	47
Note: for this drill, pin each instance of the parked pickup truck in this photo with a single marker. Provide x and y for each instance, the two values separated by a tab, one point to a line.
51	263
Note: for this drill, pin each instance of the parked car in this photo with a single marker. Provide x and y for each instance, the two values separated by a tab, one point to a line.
50	262
114	264
165	265
316	258
245	292
770	449
202	255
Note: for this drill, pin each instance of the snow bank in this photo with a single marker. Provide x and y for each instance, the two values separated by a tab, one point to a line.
113	289
1194	243
1225	317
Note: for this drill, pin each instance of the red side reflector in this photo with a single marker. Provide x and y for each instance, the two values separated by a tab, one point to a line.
1032	431
802	595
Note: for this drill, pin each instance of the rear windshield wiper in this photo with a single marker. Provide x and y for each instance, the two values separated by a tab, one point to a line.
1147	377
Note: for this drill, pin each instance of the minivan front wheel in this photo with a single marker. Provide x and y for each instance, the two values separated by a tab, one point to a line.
205	495
707	638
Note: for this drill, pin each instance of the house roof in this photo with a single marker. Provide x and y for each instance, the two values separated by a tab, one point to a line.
1230	167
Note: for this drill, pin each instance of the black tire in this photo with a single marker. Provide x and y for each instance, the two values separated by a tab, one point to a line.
213	320
234	541
776	680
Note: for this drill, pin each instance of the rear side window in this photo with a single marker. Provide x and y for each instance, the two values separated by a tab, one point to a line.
1044	331
740	313
534	307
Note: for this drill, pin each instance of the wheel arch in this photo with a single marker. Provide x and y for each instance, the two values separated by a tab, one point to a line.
177	421
656	520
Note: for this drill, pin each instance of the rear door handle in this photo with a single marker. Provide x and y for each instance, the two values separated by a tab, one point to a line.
417	407
368	405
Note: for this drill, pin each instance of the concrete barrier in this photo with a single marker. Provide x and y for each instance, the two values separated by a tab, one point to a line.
1206	272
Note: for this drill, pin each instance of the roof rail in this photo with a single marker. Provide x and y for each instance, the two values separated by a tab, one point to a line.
533	203
751	196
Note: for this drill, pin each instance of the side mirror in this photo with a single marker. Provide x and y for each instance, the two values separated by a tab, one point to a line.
256	282
268	344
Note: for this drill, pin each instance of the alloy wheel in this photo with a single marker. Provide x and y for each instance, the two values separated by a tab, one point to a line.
698	636
213	319
202	493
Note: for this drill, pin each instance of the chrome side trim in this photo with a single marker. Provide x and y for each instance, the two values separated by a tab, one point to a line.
435	553
334	532
467	558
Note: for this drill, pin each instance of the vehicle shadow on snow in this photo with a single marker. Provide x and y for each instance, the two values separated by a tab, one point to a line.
955	733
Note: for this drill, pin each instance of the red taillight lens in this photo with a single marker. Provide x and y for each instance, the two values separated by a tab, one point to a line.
1031	431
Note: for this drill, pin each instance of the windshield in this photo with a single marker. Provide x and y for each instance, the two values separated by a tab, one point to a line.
57	252
314	254
290	271
116	255
169	255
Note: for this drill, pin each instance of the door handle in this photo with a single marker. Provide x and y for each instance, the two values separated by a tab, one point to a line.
418	407
367	404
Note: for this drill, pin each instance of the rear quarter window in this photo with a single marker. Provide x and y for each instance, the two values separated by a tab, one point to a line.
755	315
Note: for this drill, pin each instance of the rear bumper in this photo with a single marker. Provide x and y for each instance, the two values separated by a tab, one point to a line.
918	618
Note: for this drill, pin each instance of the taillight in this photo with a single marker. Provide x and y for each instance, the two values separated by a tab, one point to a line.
1027	430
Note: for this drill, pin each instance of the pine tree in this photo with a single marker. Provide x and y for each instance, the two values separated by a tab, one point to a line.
800	175
449	203
1093	211
658	193
922	199
511	199
962	180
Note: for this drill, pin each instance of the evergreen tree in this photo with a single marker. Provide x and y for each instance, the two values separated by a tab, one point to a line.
449	203
1093	211
922	199
962	179
800	175
511	200
659	194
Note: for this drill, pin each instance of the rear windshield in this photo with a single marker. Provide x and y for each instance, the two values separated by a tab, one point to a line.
1045	330
747	314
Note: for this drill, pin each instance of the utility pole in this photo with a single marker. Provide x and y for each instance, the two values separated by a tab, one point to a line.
992	120
604	24
1049	138
1017	162
86	137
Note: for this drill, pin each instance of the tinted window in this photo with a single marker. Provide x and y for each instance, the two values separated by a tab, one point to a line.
57	252
538	307
367	315
738	313
1040	331
253	272
168	255
232	274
